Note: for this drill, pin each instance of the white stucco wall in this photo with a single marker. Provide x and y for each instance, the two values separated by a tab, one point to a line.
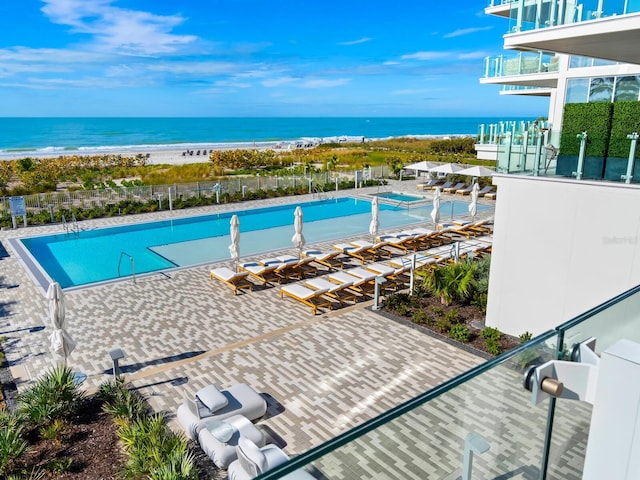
560	247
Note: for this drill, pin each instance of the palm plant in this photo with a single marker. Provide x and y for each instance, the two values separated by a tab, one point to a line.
12	443
451	282
54	396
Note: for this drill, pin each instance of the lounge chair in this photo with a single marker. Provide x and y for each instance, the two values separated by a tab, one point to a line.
361	253
491	195
485	190
339	291
313	298
302	267
395	276
363	280
377	249
425	260
428	185
219	439
443	186
254	460
236	280
263	273
399	240
456	187
464	191
210	403
327	259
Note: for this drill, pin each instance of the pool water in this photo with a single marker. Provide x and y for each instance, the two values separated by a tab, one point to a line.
399	197
90	256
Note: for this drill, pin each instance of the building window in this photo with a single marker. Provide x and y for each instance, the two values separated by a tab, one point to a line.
601	89
577	90
627	88
579	62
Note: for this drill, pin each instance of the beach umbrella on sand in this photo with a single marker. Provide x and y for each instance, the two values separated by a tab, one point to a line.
473	206
61	342
477	171
447	168
234	248
435	213
375	223
298	238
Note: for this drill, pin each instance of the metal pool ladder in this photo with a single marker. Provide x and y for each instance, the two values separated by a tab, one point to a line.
133	268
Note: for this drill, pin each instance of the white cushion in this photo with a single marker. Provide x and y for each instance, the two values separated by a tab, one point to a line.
211	397
253	453
222	431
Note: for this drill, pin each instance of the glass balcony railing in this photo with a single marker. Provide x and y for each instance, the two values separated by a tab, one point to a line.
520	64
482	423
496	133
497	3
535	14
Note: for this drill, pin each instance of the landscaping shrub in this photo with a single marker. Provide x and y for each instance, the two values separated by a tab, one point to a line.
421	316
460	333
54	396
443	325
12	443
492	340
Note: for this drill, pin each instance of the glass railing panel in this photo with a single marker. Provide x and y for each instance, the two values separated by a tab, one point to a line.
619	318
487	410
527	15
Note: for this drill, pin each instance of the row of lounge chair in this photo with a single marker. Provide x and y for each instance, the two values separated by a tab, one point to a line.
348	286
460	188
286	267
222	423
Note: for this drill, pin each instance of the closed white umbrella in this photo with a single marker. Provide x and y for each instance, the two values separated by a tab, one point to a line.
234	248
298	238
473	206
61	342
375	223
435	213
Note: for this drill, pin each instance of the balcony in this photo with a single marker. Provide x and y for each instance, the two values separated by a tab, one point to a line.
525	69
499	8
606	29
483	423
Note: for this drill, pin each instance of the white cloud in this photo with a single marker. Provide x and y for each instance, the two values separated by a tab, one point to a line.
472	55
323	83
232	84
466	31
120	30
391	63
276	82
409	91
424	56
356	42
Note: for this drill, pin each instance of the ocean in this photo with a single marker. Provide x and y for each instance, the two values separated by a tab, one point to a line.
58	136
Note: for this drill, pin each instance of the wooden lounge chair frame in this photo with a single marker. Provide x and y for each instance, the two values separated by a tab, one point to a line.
315	301
236	280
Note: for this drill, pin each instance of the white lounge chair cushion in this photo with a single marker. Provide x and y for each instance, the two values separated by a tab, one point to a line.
304	293
253	453
227	274
212	398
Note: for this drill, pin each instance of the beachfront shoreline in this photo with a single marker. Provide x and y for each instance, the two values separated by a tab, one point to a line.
178	153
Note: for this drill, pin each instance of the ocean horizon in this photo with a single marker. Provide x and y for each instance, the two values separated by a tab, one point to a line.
91	135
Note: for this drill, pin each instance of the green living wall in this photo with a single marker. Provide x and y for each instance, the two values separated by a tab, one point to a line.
595	119
625	120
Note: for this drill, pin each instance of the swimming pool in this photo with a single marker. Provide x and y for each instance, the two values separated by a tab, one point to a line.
90	256
400	197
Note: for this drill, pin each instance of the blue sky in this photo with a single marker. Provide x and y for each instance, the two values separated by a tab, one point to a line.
250	58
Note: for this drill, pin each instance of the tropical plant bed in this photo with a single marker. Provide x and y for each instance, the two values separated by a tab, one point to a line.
87	448
427	314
